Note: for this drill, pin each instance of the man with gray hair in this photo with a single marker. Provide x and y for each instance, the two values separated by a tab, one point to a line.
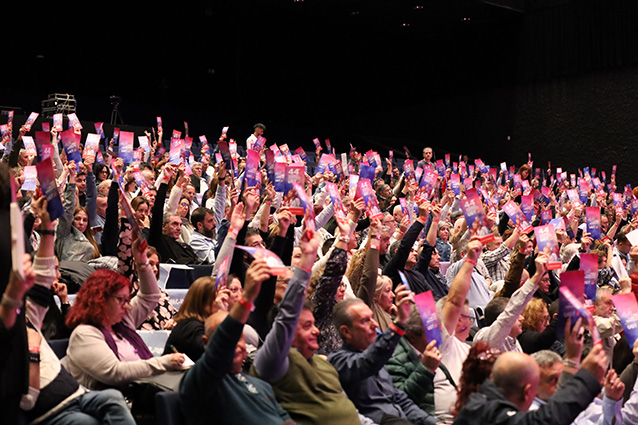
362	358
606	319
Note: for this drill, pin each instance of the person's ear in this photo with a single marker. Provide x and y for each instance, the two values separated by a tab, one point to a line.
345	332
205	339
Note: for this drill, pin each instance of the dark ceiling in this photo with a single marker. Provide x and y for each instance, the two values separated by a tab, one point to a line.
330	66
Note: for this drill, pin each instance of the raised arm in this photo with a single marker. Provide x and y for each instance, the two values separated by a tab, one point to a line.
460	287
271	363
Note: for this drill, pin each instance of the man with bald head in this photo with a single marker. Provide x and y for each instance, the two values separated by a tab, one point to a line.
216	382
507	396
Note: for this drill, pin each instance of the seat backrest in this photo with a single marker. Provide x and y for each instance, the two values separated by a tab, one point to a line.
167	408
59	346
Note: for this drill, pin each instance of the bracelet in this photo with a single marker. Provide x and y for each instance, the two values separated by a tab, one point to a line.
248	306
377	237
46	232
345	239
374	244
471	261
232	231
142	266
571	363
34	357
396	328
34	349
10	302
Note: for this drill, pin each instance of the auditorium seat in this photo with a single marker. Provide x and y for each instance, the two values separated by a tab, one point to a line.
59	346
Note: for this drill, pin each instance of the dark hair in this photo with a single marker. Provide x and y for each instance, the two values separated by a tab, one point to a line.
137	201
477	367
494	308
341	315
259	125
199	214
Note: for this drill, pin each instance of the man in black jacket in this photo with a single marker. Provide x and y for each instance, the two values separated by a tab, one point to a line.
506	398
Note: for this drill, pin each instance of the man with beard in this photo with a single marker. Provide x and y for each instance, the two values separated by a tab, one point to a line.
203	238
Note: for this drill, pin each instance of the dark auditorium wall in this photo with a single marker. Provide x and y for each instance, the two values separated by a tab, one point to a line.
581	120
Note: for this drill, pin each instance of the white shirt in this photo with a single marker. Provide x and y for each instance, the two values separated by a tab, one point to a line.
453	354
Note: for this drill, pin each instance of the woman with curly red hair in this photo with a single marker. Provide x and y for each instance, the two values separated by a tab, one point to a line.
104	349
477	367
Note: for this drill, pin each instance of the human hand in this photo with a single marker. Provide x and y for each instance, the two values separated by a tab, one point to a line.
61	291
574	339
176	360
586	241
424	209
541	262
139	254
474	248
238	217
222	300
596	362
431	357
614	387
256	274
39	208
285	218
403	301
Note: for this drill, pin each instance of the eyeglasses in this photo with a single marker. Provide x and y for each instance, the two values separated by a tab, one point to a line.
469	317
121	300
258	243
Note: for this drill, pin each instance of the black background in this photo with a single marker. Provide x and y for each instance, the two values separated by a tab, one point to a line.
555	78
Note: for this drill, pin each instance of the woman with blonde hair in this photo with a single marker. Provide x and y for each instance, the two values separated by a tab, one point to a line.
539	332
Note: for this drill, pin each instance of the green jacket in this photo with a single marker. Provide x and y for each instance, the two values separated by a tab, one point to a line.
410	376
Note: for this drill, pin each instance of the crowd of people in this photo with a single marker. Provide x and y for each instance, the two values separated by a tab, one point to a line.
310	312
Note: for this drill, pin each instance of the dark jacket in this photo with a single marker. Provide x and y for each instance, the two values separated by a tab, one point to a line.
410	376
489	406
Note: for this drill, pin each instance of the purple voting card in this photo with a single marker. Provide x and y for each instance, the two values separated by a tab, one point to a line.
370	199
472	208
592	215
367	172
91	146
251	173
226	156
516	215
317	144
427	185
99	129
327	141
322	165
30	178
222	273
447	160
175	154
548	244
353	184
49	187
577	305
295	173
546	217
627	309
57	122
618	203
4	131
70	145
302	154
634	206
29	145
47	151
74	122
29	122
335	197
46	127
455	184
270	165
126	146
427	310
583	191
275	264
159	124
589	265
141	182
371	159
574	281
280	177
408	169
306	204
527	207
